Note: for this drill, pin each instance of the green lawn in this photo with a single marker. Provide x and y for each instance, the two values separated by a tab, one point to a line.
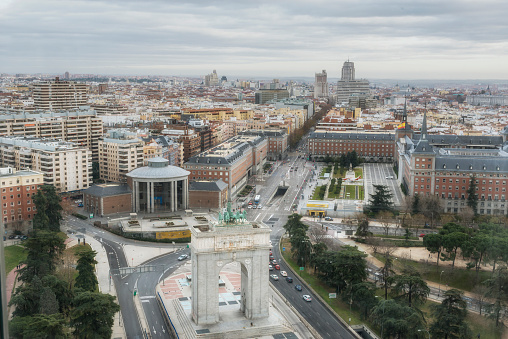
14	255
358	172
351	189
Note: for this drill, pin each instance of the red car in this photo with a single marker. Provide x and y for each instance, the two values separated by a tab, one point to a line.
277	267
422	235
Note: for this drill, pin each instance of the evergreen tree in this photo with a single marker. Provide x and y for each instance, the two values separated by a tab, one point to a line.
43	252
86	278
434	244
398	320
472	198
410	287
39	326
49	210
48	303
93	315
450	317
415	206
27	298
381	200
497	289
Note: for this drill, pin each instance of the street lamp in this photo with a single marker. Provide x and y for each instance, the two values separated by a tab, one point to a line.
425	331
439	293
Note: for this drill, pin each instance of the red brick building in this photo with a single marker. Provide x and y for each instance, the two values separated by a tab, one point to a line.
107	199
208	194
17	190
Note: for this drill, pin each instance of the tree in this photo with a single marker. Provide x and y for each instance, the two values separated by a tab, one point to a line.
48	303
39	326
452	242
381	200
350	268
434	244
43	252
472	198
497	289
294	222
431	207
362	229
93	315
450	317
398	320
95	171
410	286
476	249
385	218
86	278
49	209
27	298
415	206
363	296
62	291
387	273
301	247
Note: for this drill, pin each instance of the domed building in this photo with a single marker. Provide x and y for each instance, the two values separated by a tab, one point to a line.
159	187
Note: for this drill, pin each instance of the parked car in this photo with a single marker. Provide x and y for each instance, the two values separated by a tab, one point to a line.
183	257
422	235
298	287
328	218
11	236
24	237
80	205
270	267
307	297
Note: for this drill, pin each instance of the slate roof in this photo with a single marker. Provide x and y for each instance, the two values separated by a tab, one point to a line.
476	164
352	136
209	186
448	139
107	190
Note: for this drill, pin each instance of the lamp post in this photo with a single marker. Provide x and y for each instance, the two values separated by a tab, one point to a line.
440	275
425	331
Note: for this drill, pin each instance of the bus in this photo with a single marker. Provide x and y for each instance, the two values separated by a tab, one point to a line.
256	199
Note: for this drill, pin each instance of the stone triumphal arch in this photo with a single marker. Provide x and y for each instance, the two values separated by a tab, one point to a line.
232	239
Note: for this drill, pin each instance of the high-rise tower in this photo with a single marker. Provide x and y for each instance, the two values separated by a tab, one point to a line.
353	92
321	85
348	71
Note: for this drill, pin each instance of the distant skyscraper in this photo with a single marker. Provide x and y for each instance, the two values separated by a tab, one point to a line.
348	71
67	76
321	85
353	92
212	79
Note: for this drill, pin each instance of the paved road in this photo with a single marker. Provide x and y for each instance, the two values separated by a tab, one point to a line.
375	174
275	214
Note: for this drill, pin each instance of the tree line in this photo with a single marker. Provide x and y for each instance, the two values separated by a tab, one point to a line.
46	304
398	313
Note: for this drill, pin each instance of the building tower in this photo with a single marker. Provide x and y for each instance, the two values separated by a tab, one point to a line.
321	85
348	71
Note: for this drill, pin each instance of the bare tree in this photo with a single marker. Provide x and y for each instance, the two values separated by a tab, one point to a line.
480	290
385	218
431	207
317	234
466	216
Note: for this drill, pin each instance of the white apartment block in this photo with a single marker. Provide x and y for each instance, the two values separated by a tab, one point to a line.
82	126
65	165
119	153
59	95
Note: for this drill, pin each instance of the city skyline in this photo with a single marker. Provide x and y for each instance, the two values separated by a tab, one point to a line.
419	40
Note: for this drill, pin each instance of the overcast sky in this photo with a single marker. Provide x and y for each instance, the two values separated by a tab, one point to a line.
410	39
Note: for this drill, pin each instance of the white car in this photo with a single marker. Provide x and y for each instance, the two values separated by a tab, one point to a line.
250	206
283	273
270	267
183	257
274	277
389	177
307	297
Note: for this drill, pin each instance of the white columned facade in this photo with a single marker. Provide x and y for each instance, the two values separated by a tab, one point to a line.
152	194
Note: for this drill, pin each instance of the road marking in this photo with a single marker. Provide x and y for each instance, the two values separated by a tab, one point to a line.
145	301
147	297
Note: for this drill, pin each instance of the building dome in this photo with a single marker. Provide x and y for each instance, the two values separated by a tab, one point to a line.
158	168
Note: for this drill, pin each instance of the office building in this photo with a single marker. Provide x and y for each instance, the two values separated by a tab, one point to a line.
265	95
321	85
59	95
65	165
212	79
349	86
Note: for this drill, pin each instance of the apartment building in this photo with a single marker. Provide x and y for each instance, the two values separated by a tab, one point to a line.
218	114
265	95
233	161
120	152
17	190
59	95
81	126
65	165
277	141
187	137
